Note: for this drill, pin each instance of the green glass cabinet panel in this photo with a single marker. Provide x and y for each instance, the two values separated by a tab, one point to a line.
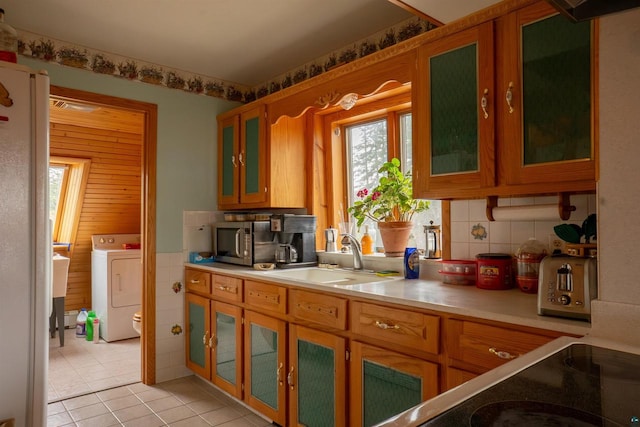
228	184
454	111
197	351
556	90
226	346
264	365
316	385
252	146
387	392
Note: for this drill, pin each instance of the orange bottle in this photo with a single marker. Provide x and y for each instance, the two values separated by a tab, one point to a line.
367	242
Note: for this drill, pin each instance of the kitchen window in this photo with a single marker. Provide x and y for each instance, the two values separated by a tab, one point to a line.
369	143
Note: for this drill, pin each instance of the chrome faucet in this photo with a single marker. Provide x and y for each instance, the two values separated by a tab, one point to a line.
350	240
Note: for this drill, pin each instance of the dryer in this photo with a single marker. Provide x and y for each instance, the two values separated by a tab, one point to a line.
116	283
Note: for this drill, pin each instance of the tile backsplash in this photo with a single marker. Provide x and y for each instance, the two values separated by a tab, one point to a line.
472	233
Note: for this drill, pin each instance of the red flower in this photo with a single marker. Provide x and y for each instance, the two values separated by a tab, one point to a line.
362	193
375	195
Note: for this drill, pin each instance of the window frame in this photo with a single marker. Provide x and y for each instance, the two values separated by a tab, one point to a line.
72	191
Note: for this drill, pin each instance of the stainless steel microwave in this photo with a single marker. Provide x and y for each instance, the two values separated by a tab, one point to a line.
244	243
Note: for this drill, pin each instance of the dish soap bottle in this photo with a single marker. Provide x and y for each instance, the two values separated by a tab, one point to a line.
367	242
411	259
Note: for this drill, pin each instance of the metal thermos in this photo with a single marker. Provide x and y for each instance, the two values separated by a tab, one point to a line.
433	235
331	236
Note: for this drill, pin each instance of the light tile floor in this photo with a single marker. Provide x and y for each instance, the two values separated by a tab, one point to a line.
187	401
99	385
81	367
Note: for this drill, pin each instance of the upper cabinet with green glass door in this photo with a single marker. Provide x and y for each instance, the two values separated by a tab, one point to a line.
242	157
453	110
260	165
547	139
533	129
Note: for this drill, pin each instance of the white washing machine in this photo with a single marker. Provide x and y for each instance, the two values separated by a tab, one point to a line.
116	283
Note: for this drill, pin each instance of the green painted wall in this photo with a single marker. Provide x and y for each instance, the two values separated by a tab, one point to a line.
187	134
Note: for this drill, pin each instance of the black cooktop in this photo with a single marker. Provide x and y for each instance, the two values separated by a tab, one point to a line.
578	386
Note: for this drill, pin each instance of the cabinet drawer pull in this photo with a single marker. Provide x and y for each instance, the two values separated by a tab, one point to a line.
290	378
194	282
383	325
509	97
484	103
278	377
224	288
502	354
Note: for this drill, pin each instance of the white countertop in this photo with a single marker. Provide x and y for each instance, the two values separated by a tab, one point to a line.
509	306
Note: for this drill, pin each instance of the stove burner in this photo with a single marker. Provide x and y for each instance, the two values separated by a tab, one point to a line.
606	365
526	413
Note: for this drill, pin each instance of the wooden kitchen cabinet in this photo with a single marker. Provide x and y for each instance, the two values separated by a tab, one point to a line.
198	333
531	132
384	383
266	365
316	378
411	329
477	347
260	165
197	281
226	347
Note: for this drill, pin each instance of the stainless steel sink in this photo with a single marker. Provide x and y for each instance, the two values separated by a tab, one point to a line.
331	277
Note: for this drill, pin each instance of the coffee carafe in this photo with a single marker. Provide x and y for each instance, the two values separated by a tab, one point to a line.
331	238
296	238
432	234
286	254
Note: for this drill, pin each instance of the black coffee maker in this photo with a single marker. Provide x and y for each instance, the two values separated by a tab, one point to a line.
296	237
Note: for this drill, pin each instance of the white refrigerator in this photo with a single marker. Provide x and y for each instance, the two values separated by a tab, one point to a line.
25	245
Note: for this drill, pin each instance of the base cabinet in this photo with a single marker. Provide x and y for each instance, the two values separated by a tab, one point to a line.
316	378
226	347
197	316
265	365
384	383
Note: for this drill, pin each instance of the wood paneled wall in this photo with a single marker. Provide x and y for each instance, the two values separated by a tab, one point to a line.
112	140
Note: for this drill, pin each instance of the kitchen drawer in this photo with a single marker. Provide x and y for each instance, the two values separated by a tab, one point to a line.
488	346
265	296
318	308
226	288
197	281
408	328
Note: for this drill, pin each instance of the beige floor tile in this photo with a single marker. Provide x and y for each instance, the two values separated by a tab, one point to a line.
208	405
163	404
79	402
104	420
176	414
191	422
148	421
114	393
122	402
153	394
132	412
89	411
58	420
221	416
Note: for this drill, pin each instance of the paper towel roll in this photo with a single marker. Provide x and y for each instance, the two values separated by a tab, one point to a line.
526	213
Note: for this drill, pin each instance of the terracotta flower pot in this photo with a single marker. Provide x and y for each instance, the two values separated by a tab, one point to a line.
395	236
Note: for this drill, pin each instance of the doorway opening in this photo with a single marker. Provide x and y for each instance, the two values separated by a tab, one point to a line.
126	130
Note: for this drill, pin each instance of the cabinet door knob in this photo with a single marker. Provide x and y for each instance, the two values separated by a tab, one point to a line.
290	378
278	377
509	97
502	354
233	161
484	103
241	158
204	338
383	325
